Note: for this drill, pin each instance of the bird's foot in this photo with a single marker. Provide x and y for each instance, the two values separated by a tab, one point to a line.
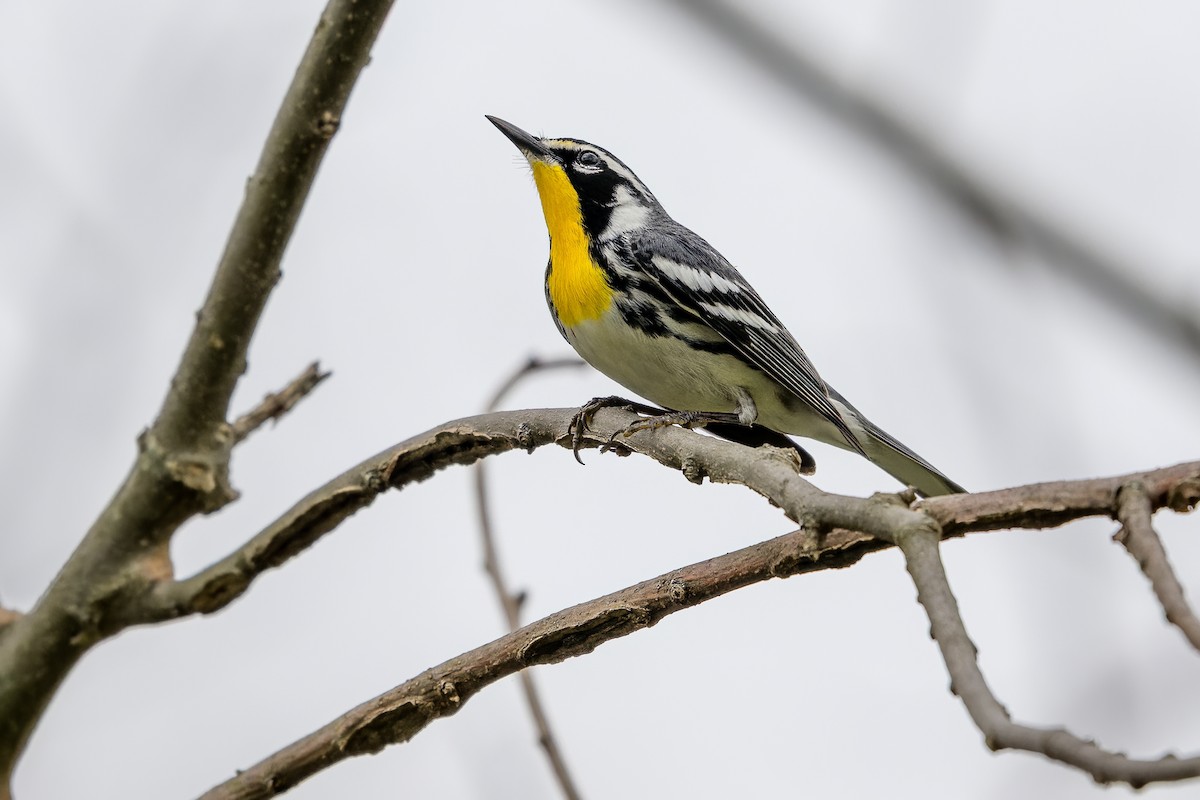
725	425
580	423
663	419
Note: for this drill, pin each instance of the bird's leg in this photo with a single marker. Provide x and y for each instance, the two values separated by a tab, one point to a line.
583	418
747	411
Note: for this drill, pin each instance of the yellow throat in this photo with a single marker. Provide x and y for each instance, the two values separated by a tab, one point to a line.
576	284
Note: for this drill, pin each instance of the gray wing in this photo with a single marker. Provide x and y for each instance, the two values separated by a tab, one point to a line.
699	280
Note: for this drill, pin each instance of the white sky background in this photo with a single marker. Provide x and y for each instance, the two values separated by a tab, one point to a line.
126	135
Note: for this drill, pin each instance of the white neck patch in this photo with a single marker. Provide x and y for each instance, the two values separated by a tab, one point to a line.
628	214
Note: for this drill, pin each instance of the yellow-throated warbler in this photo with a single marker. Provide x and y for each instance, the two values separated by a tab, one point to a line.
653	306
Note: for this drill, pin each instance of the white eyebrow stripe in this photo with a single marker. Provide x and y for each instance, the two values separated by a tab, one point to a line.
697	280
739	315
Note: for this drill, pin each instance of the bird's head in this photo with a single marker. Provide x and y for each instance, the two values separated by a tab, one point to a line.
582	184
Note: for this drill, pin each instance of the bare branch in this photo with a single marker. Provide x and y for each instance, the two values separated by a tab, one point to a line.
510	601
183	461
398	715
306	122
1143	543
982	199
459	442
468	440
1047	505
276	404
1000	732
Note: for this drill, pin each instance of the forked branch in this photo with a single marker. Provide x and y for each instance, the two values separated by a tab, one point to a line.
1134	511
1000	732
982	199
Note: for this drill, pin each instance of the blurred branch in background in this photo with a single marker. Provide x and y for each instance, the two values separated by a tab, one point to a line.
1000	213
510	601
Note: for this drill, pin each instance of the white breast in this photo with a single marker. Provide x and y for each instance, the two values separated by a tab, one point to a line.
669	373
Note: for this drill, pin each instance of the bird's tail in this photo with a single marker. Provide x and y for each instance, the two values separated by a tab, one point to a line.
893	457
905	465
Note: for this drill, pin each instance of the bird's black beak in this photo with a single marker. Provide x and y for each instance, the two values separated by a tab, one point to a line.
527	143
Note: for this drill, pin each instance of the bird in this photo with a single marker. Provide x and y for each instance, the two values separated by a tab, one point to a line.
655	307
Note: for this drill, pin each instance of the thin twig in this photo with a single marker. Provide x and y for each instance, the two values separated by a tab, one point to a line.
984	200
510	601
531	365
924	564
1137	534
276	404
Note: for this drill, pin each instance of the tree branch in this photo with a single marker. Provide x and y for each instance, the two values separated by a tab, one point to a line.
309	116
183	461
1000	732
276	404
322	510
1137	534
398	715
468	440
1047	505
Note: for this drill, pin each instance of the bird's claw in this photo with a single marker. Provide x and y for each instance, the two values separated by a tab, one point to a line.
655	419
578	427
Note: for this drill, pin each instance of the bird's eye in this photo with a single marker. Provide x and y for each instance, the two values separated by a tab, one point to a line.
588	159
